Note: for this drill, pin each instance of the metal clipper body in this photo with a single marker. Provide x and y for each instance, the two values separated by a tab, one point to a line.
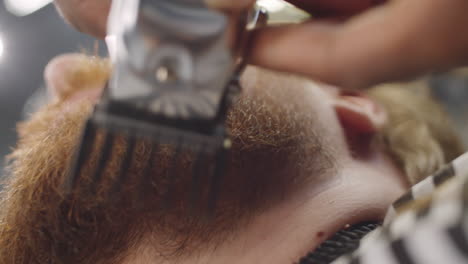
176	70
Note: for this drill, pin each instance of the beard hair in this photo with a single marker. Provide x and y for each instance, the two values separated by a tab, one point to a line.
276	148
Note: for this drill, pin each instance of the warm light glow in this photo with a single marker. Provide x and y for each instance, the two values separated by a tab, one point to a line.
26	7
281	12
272	5
2	47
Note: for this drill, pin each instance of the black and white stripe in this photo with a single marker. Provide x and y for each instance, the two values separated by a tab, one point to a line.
457	168
436	234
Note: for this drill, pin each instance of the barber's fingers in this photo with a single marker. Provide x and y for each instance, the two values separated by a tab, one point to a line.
88	16
319	8
392	42
335	8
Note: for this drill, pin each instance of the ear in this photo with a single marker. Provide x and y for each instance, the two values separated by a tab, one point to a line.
67	74
361	117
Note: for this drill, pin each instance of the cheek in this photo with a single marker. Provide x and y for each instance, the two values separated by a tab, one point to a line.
308	105
317	98
322	98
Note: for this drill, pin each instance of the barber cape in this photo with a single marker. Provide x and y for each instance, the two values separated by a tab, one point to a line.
427	225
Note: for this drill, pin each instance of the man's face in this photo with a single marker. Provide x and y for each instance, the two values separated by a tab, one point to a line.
303	166
287	144
284	129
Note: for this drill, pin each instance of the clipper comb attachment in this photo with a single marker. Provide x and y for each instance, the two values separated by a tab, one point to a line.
176	72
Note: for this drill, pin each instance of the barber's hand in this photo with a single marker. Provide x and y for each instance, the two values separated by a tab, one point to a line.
396	40
88	16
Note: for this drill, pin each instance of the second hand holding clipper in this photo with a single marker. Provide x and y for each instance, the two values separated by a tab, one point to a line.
176	71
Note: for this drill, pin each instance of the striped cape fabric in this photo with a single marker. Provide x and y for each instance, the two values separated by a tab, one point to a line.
428	225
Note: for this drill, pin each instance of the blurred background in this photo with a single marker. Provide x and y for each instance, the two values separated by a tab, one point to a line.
32	33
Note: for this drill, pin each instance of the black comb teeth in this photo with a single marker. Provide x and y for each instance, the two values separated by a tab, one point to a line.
103	159
147	183
125	164
111	128
168	199
81	156
217	178
196	179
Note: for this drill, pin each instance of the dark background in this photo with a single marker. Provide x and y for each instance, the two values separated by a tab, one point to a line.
31	41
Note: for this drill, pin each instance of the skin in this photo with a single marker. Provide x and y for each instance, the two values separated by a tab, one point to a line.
364	183
361	189
412	37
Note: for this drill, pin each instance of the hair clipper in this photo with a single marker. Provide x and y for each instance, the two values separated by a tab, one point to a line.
176	68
